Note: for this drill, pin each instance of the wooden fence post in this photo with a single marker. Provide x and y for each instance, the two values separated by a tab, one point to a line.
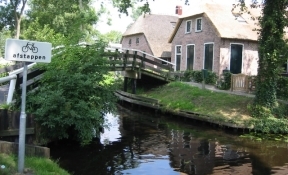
125	60
134	60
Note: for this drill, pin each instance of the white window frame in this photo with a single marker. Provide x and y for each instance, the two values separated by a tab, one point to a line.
187	55
213	55
242	55
196	29
175	60
187	26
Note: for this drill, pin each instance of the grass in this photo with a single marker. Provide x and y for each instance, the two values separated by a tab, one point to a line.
180	96
33	166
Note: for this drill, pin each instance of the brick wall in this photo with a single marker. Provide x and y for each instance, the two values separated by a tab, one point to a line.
143	44
209	34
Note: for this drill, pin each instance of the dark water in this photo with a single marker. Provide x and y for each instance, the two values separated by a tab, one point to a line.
140	144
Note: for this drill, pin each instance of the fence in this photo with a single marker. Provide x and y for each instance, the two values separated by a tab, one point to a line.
242	82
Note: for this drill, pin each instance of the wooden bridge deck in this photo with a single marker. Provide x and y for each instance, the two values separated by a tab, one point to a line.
141	63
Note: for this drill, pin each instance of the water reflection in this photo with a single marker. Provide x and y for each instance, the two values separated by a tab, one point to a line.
145	145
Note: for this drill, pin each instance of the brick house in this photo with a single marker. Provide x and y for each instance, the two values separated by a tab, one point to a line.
213	36
150	33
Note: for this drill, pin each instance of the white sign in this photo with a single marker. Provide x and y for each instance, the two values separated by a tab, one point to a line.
30	51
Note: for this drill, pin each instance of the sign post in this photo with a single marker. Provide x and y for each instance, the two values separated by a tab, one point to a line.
26	51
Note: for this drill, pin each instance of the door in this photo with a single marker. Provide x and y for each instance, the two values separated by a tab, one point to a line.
190	57
236	58
208	56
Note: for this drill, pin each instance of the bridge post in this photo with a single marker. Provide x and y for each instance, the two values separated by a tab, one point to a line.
125	59
125	84
134	60
134	84
142	61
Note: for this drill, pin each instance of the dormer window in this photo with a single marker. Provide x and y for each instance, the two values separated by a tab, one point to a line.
173	24
137	41
198	27
188	26
238	17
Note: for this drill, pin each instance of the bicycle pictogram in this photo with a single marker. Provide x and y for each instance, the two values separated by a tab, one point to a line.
30	46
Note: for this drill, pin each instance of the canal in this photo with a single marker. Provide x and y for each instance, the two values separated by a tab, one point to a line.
142	144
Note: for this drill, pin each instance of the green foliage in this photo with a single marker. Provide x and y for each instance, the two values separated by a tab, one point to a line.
68	18
182	96
4	34
282	87
272	47
136	12
225	83
33	165
188	75
9	163
44	166
113	36
37	32
269	125
75	91
195	75
7	17
123	6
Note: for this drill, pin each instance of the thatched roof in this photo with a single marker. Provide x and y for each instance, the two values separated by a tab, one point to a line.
224	18
157	30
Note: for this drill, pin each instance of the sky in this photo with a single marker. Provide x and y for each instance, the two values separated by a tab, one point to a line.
165	7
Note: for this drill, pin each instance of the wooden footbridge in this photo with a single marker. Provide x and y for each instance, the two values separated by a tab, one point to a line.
135	64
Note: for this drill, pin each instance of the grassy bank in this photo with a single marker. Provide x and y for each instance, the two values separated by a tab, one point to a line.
219	106
33	166
181	96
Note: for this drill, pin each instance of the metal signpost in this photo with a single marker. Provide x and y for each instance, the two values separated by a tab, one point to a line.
26	51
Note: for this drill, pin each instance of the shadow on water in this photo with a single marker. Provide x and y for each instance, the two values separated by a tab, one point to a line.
138	143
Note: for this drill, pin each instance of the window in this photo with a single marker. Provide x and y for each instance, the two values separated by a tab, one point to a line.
208	56
137	41
198	27
188	26
130	42
285	67
178	51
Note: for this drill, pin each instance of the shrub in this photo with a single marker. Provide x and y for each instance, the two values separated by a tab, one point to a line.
282	88
197	76
225	82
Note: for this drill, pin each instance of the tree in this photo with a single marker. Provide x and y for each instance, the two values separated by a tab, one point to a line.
272	55
113	36
136	12
75	91
6	17
16	4
4	34
73	19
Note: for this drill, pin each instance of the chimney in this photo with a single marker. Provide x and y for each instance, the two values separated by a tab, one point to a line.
178	10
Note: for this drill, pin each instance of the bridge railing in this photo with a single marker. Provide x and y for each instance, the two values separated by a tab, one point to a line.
124	59
132	59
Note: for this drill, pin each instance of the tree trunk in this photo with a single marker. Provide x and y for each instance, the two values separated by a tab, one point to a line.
18	28
271	47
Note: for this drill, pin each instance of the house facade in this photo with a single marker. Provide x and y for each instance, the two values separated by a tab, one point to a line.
150	33
212	36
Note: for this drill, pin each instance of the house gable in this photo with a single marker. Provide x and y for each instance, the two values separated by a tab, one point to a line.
155	29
